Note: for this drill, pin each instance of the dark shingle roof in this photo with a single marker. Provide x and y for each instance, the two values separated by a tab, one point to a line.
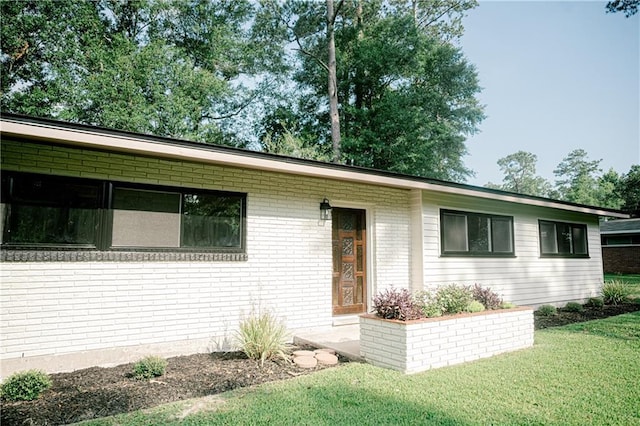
620	226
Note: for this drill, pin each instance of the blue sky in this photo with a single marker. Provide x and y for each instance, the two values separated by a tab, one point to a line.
556	76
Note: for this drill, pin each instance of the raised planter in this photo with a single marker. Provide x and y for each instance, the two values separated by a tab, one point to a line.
420	345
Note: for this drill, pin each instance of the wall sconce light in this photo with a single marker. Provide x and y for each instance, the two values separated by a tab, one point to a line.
325	210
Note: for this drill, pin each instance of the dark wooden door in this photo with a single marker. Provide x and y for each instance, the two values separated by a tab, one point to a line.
349	261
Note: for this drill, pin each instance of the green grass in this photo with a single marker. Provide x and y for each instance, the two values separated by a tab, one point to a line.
575	375
631	280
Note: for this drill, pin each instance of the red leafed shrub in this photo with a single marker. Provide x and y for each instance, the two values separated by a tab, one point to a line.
396	304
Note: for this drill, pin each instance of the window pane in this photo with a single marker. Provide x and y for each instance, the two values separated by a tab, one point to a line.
579	240
145	218
478	233
501	234
564	238
454	229
48	210
548	240
212	221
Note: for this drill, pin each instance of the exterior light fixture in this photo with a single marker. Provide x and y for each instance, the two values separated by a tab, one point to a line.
325	210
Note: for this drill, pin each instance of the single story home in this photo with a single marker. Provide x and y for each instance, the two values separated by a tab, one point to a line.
117	245
621	246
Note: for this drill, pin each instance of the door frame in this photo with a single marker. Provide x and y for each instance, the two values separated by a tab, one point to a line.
369	248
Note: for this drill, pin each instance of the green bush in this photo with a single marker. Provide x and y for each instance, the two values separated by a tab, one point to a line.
507	305
454	298
614	292
595	302
574	307
547	310
262	336
475	306
25	385
148	367
427	303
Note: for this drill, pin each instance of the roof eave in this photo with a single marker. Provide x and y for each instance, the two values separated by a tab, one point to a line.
90	137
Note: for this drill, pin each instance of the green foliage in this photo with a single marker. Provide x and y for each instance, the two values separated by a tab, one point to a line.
574	307
595	302
25	385
149	367
628	7
547	310
396	304
427	303
577	177
519	171
507	305
474	306
262	336
454	298
488	298
615	292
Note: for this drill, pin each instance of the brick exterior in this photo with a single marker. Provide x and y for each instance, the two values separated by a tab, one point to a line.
624	260
422	345
57	307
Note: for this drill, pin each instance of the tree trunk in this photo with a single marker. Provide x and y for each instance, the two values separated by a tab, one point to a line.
333	84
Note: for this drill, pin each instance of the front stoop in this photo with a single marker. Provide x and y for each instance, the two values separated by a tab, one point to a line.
344	339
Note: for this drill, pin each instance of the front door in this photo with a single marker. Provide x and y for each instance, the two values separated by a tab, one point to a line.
349	261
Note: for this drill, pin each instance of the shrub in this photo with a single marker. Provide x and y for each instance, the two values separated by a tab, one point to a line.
148	367
396	304
614	292
25	385
262	336
427	304
488	298
547	310
507	305
596	302
454	298
574	307
475	306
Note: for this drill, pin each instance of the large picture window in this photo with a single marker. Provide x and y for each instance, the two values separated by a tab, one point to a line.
563	239
464	233
47	211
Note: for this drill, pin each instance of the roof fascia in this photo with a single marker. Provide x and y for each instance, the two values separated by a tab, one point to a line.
95	138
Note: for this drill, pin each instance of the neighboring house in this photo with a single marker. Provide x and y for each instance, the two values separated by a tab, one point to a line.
117	245
621	246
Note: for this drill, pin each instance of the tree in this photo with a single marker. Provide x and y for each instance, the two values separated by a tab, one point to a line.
629	190
409	112
520	175
171	68
578	178
629	7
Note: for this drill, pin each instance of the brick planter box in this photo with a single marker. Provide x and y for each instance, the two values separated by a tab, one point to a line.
421	345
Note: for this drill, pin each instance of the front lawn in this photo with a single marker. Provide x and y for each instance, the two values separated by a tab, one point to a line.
585	373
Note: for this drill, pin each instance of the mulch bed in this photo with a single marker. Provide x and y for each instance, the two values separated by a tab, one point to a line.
98	392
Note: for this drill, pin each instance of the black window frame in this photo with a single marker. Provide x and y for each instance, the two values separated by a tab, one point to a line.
572	226
476	253
104	222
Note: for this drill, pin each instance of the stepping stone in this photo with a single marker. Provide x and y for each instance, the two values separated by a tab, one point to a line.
326	358
305	361
327	350
303	353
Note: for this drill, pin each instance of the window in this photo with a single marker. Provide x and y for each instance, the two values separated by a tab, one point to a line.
464	233
47	211
563	239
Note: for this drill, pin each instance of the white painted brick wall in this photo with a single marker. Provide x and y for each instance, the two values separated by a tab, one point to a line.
58	308
432	343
